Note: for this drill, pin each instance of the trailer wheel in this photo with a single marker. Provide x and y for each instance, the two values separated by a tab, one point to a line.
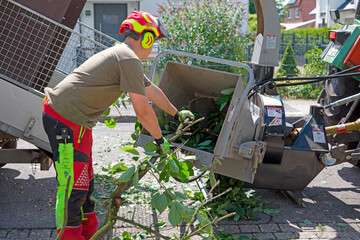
336	89
11	144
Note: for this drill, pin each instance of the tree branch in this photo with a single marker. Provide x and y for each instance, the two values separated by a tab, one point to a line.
142	227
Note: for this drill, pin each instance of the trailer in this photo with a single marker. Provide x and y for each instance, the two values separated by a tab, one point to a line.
40	43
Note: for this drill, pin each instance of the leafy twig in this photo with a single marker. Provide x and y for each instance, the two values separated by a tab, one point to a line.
209	224
209	200
142	227
113	208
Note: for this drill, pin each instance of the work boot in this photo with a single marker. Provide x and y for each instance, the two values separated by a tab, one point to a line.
72	233
89	225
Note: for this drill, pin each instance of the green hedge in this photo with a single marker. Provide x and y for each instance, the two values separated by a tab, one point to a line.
306	36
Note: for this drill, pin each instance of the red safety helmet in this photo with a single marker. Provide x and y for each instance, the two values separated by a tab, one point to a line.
139	21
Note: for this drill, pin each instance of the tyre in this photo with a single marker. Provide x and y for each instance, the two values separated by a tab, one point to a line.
336	89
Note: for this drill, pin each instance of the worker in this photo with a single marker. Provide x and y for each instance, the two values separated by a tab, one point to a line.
73	106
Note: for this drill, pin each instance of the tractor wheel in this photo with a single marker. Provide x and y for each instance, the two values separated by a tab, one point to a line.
10	144
336	89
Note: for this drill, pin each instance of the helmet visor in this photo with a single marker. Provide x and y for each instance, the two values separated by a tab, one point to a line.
164	31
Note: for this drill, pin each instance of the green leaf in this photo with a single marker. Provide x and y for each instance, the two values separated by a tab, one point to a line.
304	223
152	154
126	176
203	169
159	201
119	167
181	195
136	178
272	211
124	104
106	113
126	236
243	238
228	91
174	216
241	212
205	143
173	167
110	123
203	221
222	212
150	147
342	225
236	217
130	150
212	178
160	120
153	166
160	224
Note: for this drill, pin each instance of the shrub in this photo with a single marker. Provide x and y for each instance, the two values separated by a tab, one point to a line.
288	66
314	67
206	27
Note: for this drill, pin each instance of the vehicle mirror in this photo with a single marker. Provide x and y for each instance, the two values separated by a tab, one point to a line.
335	15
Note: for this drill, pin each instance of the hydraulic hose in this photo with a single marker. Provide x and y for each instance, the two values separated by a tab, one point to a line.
340	74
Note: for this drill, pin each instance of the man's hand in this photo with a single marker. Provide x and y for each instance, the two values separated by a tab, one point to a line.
184	114
163	144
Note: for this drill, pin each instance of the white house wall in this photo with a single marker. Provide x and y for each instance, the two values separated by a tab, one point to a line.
323	8
89	6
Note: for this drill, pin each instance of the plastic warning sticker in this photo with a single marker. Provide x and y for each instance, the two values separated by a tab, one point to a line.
255	111
319	136
341	128
271	41
277	121
274	112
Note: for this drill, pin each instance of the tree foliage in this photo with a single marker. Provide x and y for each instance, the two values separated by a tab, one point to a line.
206	27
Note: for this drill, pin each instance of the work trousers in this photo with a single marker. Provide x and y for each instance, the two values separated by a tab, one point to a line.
71	145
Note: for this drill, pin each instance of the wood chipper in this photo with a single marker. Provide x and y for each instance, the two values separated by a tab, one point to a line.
257	143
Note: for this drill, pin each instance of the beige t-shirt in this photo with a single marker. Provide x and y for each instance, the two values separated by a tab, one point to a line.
92	87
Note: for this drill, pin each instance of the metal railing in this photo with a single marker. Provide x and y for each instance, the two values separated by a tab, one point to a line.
38	52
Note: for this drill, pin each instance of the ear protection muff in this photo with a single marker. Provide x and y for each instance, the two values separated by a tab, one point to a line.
147	40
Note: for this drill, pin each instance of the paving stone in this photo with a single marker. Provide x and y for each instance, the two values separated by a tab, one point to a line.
3	233
249	229
232	228
355	226
264	236
349	235
290	227
243	235
53	233
18	234
40	233
271	227
318	235
286	235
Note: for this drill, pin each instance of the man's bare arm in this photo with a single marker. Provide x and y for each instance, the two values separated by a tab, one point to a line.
157	96
145	114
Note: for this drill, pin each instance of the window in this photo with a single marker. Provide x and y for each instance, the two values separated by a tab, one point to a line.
289	14
297	14
292	2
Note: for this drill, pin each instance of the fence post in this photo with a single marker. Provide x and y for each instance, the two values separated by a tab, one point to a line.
306	47
249	53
